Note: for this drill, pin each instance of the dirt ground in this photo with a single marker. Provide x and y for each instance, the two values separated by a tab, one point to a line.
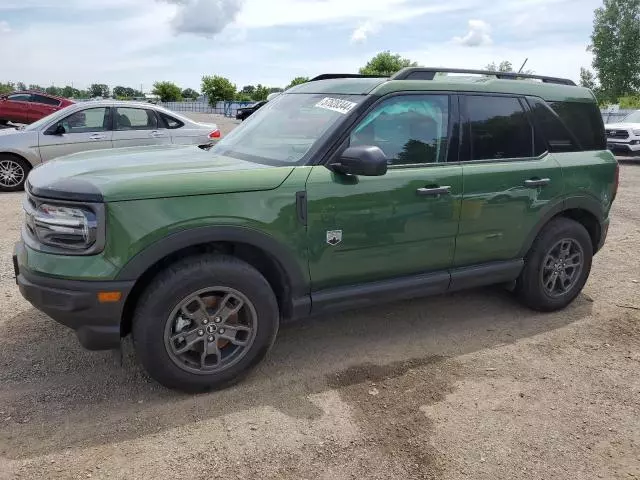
463	386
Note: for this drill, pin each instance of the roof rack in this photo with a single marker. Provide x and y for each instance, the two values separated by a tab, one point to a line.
422	73
328	76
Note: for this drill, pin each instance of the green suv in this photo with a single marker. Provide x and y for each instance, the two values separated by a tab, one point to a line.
339	193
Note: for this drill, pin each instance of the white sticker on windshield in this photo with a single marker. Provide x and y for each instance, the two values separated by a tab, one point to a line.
335	104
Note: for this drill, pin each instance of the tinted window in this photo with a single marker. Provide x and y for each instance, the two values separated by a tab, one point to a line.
551	129
46	100
499	128
171	122
135	119
89	120
20	97
585	122
409	129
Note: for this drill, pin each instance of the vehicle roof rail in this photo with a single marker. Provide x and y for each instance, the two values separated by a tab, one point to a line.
427	73
328	76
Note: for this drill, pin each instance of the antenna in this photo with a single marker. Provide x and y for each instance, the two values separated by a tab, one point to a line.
525	62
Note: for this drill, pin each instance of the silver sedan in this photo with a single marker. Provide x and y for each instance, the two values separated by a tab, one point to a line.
92	126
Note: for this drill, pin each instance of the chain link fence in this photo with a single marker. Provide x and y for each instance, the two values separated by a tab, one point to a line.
228	109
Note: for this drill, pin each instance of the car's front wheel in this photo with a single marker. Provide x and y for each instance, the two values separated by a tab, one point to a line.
556	267
204	323
13	173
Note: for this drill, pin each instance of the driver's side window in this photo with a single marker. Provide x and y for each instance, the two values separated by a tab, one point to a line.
86	121
409	129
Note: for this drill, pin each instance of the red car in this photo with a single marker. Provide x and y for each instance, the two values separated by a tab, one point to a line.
27	107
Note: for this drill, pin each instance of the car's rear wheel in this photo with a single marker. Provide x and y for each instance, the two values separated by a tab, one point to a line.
204	323
13	173
556	267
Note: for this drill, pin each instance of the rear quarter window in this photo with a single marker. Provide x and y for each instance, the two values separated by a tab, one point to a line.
170	122
584	121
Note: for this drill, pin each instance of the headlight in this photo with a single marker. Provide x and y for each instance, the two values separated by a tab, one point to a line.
64	227
636	133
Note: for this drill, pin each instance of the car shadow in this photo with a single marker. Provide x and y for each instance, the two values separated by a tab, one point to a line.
56	395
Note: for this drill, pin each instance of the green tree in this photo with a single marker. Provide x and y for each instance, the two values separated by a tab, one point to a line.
615	43
99	90
297	81
504	66
36	88
6	88
69	92
167	91
190	93
218	89
386	63
261	93
53	90
119	91
275	90
242	97
21	86
248	90
587	79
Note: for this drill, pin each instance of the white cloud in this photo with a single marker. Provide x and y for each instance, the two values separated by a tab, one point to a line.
479	34
4	27
361	33
204	17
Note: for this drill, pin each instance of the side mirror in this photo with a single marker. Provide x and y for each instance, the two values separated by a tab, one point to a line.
58	129
368	161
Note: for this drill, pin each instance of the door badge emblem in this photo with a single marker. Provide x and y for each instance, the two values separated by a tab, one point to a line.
334	237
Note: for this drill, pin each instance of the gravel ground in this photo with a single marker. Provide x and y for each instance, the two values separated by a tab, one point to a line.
469	385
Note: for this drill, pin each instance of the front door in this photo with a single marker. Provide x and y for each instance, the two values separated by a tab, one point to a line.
16	108
364	229
509	179
88	129
138	127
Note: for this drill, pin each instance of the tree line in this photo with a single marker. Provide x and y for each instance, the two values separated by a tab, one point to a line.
615	43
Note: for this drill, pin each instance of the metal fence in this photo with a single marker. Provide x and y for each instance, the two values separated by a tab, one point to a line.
228	109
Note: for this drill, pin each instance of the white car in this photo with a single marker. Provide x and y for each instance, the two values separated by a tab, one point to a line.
624	137
94	126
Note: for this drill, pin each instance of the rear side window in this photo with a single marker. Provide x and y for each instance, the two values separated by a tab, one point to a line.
45	100
499	128
585	122
551	128
170	122
135	119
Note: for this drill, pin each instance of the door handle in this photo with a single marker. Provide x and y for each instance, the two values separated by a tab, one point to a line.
537	182
97	136
434	192
156	134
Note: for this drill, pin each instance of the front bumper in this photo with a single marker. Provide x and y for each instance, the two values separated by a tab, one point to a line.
627	147
75	304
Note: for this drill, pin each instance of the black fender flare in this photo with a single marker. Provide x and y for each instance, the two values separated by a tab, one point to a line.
583	202
155	252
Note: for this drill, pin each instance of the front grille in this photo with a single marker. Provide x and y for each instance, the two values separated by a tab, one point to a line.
617	134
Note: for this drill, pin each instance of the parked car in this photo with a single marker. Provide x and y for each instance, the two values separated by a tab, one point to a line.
339	193
245	112
624	137
94	126
28	107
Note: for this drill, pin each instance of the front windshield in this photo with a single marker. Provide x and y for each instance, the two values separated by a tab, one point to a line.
632	117
286	129
45	120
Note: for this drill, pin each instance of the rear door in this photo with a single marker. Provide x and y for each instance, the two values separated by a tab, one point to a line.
510	179
41	106
134	126
88	129
16	108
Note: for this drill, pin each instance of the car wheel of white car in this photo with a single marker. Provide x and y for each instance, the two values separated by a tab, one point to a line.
13	173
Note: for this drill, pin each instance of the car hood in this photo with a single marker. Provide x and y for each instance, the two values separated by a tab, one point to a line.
622	126
149	172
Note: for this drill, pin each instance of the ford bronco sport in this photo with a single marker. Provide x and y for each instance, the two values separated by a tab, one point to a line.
340	192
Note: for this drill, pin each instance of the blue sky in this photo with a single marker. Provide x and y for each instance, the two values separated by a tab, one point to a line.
136	42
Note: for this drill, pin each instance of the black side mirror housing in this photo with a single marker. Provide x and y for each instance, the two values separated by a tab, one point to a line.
364	160
58	129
